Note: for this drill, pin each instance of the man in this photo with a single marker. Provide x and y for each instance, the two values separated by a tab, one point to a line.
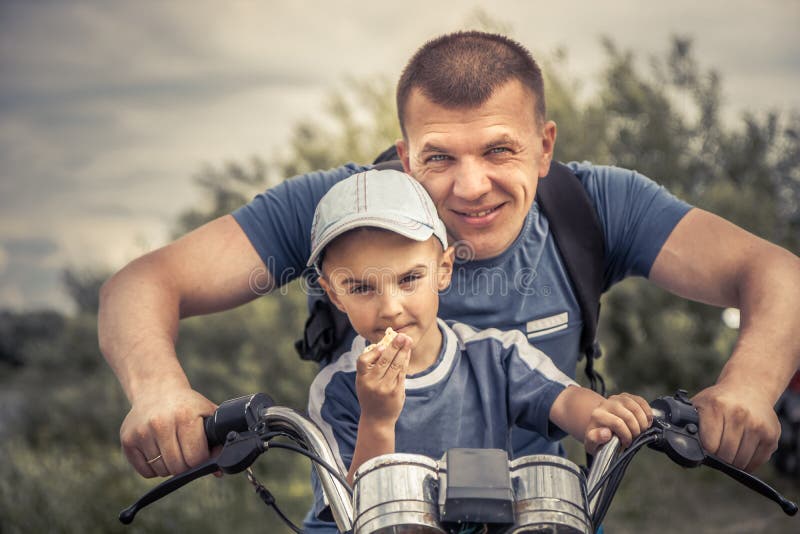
475	135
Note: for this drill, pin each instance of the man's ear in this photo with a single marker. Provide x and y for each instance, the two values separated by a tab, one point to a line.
331	293
549	134
445	271
402	152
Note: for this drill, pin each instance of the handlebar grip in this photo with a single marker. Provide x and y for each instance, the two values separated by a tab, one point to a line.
237	415
211	433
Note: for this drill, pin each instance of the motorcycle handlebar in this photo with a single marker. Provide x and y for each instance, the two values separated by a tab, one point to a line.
246	425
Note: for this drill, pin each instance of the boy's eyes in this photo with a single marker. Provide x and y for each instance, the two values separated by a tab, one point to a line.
411	277
358	290
406	280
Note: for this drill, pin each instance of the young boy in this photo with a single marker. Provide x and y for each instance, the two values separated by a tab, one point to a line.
382	255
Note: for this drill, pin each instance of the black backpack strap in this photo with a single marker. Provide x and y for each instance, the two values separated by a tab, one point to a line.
389	156
325	330
579	238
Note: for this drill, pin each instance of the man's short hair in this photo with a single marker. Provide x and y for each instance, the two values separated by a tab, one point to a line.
463	69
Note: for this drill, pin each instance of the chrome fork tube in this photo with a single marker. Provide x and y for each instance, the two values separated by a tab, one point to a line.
602	461
282	418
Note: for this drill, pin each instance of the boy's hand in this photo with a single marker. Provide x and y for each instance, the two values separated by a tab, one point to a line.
380	380
623	415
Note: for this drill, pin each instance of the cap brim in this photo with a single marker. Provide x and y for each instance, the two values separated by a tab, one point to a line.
398	223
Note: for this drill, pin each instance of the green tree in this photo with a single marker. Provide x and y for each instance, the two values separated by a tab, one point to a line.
60	406
83	287
223	190
361	122
18	330
667	125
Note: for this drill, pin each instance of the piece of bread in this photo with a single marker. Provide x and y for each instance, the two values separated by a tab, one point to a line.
385	342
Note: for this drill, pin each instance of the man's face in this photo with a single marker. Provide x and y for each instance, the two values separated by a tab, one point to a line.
480	165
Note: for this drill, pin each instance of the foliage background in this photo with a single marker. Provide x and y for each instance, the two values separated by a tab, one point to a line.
60	406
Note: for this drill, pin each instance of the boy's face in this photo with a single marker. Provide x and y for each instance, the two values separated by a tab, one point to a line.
383	279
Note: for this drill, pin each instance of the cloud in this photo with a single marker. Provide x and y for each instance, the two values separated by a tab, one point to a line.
118	52
30	248
108	110
29	278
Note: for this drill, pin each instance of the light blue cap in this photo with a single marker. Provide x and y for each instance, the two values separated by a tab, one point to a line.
386	199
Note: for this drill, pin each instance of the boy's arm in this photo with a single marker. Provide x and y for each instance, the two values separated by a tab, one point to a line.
380	385
374	438
572	410
591	419
540	394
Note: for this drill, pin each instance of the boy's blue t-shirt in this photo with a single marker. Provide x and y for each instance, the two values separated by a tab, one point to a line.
526	288
483	383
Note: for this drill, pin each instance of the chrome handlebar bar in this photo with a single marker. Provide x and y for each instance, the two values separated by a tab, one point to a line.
306	432
246	425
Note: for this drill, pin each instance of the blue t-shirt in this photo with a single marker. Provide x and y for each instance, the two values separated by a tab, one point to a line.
526	288
482	383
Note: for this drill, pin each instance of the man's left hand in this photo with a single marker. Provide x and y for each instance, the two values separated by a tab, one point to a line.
737	425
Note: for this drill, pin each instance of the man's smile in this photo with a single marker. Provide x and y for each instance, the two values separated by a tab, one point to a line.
482	215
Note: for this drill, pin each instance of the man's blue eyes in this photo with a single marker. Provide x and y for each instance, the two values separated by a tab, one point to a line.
436	158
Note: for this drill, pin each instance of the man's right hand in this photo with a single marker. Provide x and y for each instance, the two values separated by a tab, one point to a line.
213	268
169	424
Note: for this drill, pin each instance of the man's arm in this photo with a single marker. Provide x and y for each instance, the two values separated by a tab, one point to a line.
709	259
208	270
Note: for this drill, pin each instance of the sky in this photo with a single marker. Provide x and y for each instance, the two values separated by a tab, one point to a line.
109	109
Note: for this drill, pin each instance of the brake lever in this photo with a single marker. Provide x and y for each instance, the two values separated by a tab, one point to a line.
752	482
238	453
680	441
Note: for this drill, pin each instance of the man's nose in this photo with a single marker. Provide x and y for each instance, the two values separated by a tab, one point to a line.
471	181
